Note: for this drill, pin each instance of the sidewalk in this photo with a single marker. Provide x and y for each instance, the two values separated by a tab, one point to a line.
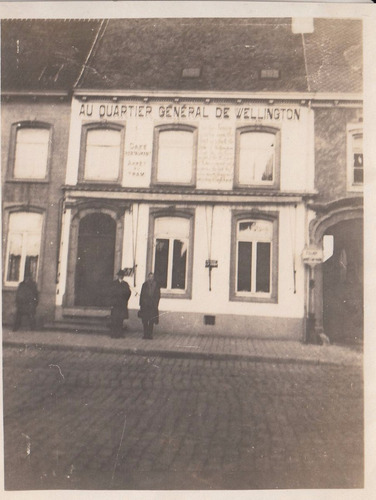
189	346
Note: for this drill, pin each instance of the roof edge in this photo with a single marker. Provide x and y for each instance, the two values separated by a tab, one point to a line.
273	95
37	93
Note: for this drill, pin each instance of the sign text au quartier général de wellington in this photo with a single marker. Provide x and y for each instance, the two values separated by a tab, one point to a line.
185	111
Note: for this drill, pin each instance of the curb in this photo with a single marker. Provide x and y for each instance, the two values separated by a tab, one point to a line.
176	354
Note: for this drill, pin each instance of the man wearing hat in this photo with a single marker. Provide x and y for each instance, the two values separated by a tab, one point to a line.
149	300
119	296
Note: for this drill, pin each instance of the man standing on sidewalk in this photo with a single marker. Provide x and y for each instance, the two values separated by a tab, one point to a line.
26	302
120	293
149	301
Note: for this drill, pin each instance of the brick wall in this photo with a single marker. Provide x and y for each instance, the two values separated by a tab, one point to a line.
45	196
330	152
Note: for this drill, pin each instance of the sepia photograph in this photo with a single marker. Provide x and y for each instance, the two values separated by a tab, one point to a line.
182	252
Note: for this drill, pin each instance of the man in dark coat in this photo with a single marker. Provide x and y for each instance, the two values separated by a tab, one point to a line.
119	296
149	301
26	302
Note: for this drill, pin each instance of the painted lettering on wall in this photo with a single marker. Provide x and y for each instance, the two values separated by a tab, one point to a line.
136	158
183	111
216	156
275	114
115	110
188	112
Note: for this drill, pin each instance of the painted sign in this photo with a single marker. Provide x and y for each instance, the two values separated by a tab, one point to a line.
187	111
312	255
211	263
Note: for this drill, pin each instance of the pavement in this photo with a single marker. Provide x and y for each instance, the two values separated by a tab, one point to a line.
197	346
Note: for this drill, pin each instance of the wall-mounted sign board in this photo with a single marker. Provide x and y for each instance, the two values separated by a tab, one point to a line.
312	255
211	263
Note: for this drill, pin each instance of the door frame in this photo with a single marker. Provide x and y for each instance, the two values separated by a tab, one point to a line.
79	212
327	215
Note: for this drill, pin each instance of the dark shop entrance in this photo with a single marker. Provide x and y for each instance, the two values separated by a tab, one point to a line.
95	259
343	283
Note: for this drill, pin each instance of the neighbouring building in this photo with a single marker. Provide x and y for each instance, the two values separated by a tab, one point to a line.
38	73
225	155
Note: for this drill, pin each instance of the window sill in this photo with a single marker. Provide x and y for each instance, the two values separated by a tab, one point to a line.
10	288
253	298
257	187
29	181
175	295
87	182
173	184
356	188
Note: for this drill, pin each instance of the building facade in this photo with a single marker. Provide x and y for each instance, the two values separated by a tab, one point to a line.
35	139
337	295
222	165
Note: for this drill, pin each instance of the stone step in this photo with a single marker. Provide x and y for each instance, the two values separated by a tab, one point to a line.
86	320
86	312
79	327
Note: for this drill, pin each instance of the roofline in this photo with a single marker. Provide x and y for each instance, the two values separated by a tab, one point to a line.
315	98
248	96
36	93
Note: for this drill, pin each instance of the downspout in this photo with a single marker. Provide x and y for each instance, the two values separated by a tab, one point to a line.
309	273
134	242
58	239
209	236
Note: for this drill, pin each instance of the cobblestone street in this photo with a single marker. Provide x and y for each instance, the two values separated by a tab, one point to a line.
91	420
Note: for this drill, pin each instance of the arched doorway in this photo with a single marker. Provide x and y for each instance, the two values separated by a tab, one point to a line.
95	259
336	297
343	283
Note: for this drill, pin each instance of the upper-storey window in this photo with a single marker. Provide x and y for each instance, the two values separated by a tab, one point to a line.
30	150
257	163
101	153
175	155
355	169
23	248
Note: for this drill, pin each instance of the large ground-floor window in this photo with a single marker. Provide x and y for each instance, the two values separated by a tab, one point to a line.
254	271
23	249
171	254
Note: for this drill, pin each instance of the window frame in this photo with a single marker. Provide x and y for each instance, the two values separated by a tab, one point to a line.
174	127
277	156
242	216
28	124
9	212
353	129
169	213
86	128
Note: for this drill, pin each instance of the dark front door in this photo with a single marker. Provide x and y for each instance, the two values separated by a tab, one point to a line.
343	283
95	259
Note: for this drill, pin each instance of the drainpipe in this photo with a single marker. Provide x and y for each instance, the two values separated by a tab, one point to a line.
311	320
58	239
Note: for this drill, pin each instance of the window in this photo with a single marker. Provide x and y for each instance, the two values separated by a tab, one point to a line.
171	254
355	159
254	268
257	157
24	238
102	153
175	156
31	150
